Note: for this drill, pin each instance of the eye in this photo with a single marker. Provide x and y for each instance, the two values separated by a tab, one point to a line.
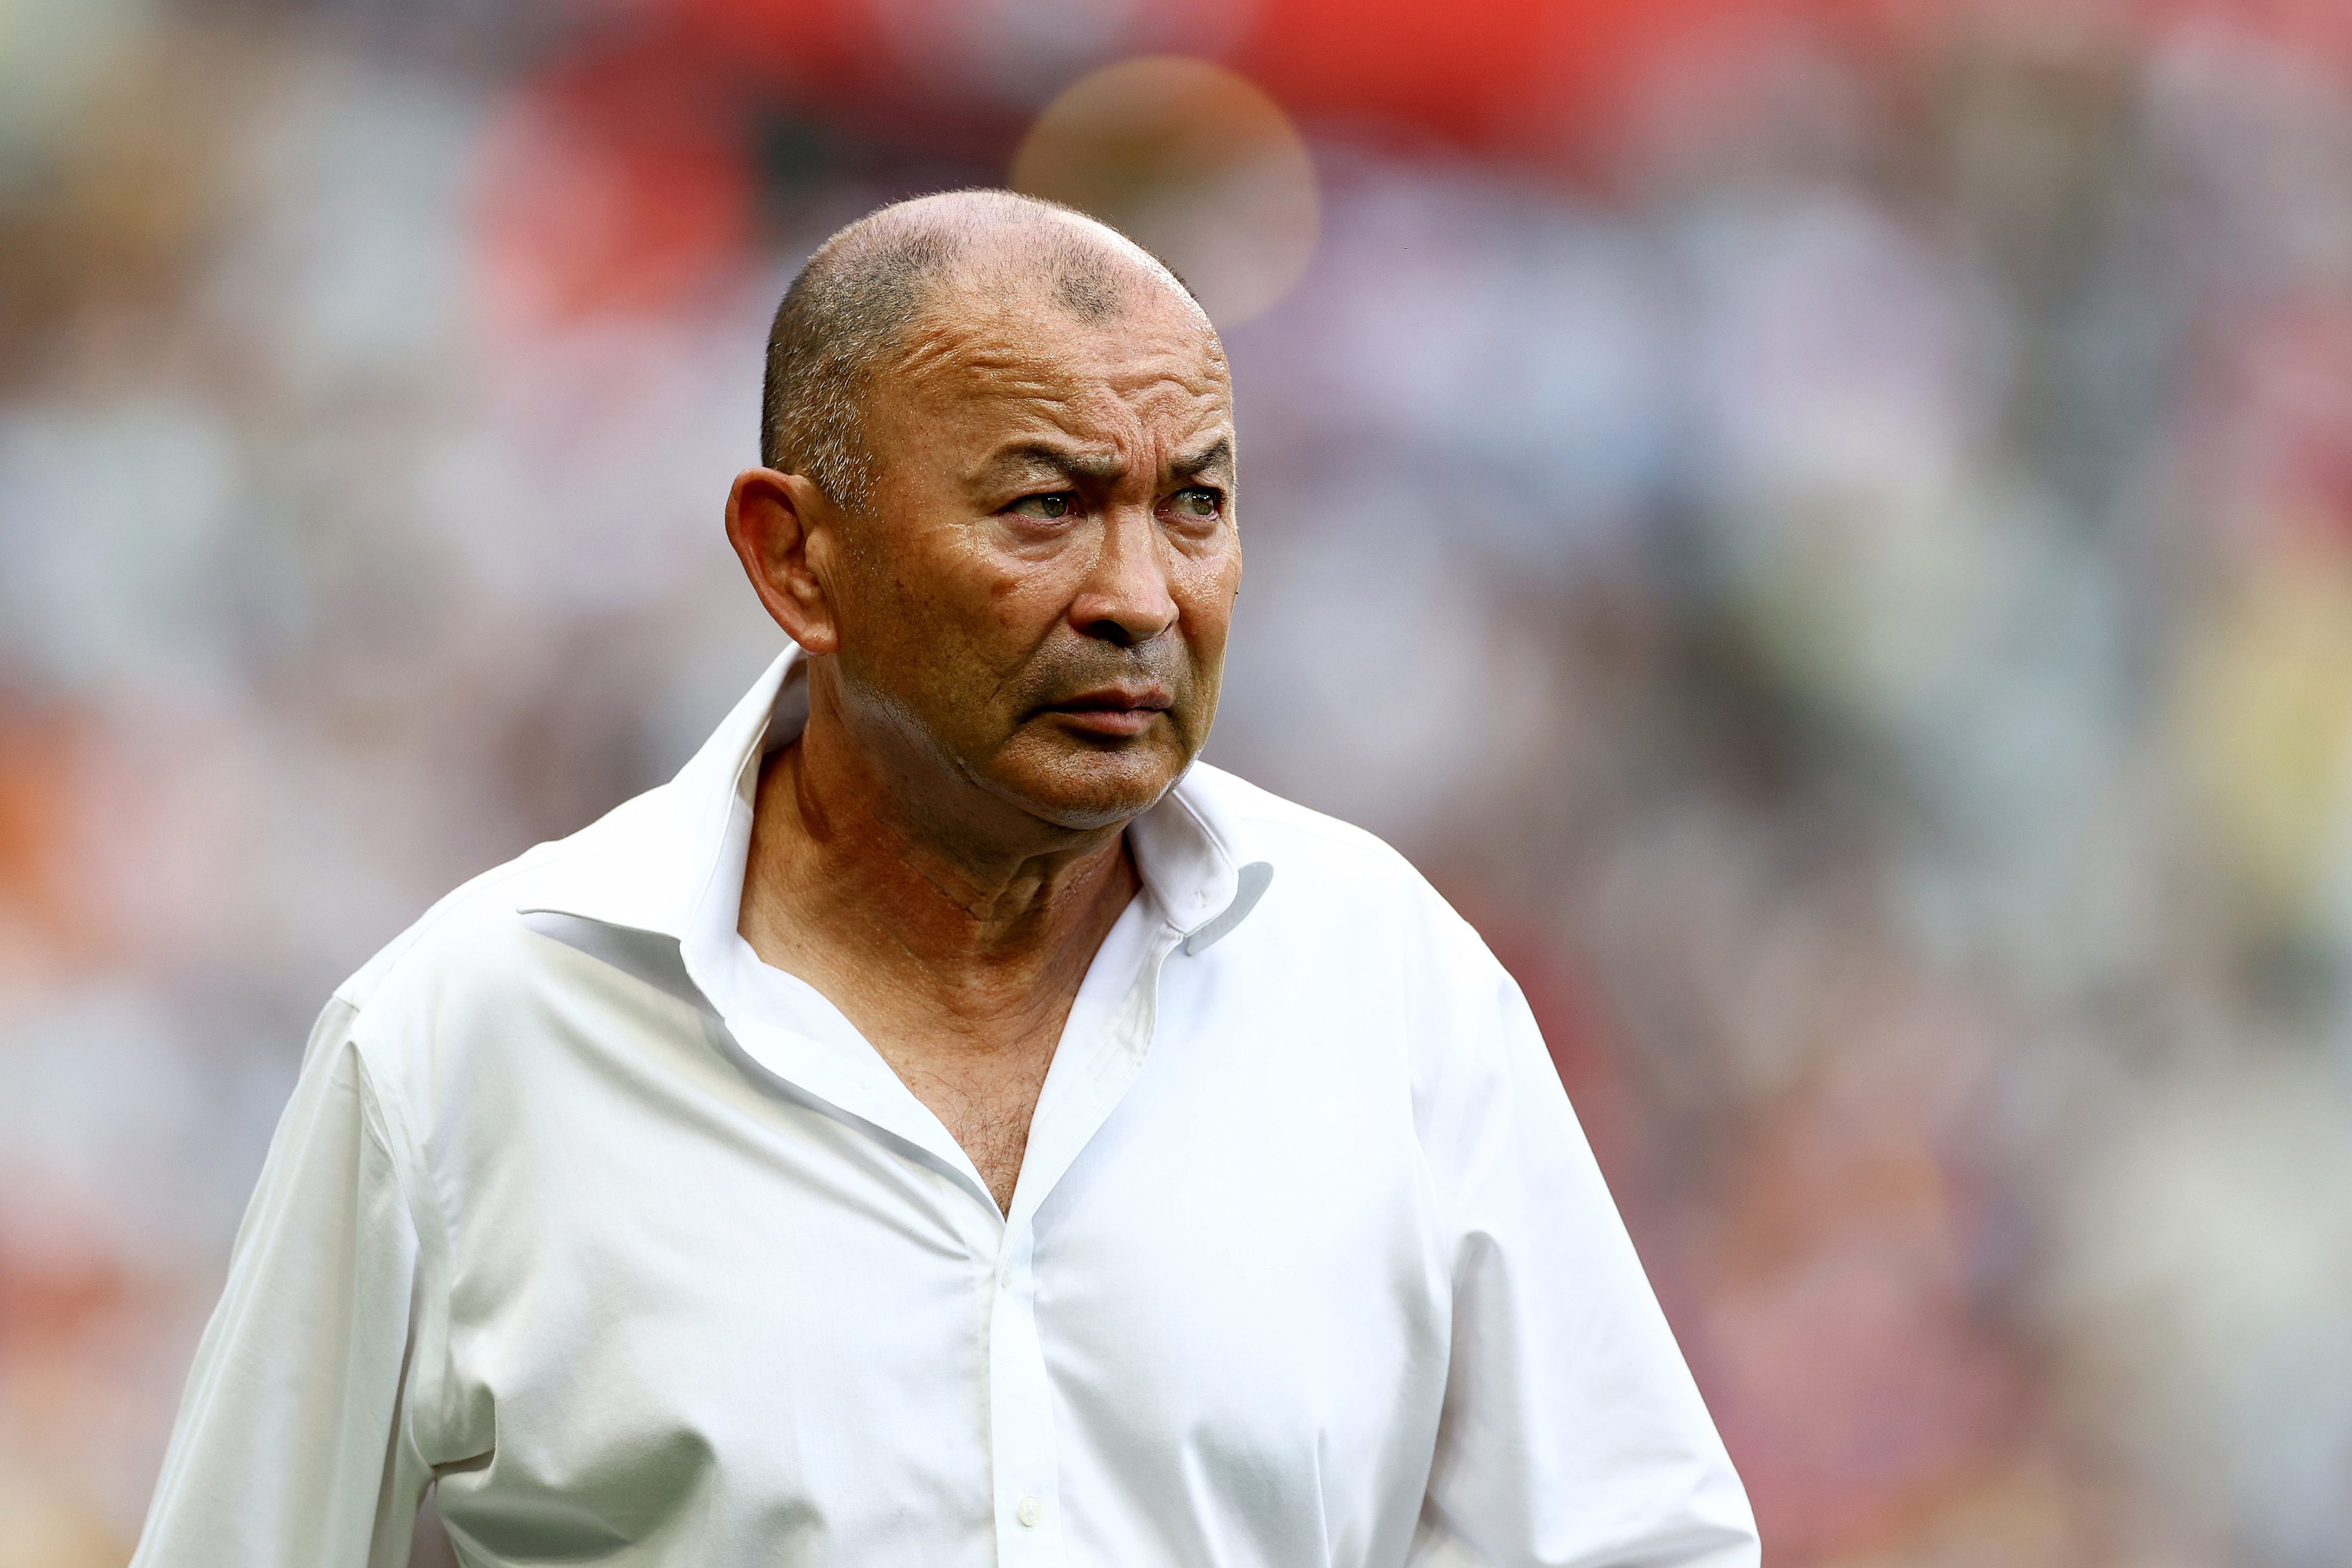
1196	501
1047	506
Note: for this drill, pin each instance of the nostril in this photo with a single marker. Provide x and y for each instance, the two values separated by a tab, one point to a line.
1112	632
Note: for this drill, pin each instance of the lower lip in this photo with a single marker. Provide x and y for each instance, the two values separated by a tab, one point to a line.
1108	721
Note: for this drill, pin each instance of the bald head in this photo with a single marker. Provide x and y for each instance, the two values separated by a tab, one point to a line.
846	315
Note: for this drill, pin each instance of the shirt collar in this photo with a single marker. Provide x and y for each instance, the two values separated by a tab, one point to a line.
649	864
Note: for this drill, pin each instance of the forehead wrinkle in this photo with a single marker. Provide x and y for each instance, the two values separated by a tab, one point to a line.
1085	410
1087	391
1203	388
952	359
988	305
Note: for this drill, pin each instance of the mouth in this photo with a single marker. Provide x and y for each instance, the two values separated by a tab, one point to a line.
1111	712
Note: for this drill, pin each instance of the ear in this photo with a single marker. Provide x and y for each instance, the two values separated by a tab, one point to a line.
786	533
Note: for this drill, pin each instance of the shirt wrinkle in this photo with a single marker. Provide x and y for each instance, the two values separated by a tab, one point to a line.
387	1122
704	1269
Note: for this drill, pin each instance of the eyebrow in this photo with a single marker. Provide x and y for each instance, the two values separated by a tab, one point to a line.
1101	467
1218	454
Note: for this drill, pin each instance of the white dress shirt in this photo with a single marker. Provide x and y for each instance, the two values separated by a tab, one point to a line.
634	1245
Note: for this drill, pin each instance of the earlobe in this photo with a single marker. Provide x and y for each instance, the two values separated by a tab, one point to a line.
775	522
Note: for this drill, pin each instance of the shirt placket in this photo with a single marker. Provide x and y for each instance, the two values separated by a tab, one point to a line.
1026	1465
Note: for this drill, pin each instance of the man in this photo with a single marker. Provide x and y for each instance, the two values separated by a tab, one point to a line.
944	1125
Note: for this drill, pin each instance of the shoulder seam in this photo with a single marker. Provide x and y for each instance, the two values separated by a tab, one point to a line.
394	953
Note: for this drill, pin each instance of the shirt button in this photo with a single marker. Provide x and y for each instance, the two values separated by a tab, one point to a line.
1030	1512
1004	1277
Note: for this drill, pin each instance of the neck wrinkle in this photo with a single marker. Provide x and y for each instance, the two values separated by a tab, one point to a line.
829	860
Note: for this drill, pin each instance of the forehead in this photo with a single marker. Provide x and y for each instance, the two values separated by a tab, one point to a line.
1016	354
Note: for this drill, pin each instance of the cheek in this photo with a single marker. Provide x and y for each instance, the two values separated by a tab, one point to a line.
932	603
968	630
1204	587
1023	604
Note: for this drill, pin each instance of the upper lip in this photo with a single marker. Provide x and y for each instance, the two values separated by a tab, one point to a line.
1104	699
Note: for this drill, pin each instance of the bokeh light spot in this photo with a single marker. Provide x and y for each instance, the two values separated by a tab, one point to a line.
1193	162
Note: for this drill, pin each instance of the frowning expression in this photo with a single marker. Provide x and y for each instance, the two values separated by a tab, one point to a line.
1039	594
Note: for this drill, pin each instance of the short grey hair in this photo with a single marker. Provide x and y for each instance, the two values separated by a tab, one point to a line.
846	311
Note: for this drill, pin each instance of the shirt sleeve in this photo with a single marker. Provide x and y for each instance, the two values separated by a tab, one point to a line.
1572	1432
289	1451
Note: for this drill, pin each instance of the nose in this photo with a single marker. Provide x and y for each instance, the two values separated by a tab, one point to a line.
1125	599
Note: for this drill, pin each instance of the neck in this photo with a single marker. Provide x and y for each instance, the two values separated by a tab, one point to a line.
853	864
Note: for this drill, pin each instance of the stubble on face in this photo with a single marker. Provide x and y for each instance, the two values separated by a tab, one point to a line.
975	630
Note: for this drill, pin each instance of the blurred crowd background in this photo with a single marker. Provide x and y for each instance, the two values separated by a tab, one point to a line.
1824	525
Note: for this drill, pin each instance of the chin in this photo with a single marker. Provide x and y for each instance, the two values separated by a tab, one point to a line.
1091	790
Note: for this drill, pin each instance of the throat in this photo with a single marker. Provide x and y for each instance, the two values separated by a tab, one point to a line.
964	998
